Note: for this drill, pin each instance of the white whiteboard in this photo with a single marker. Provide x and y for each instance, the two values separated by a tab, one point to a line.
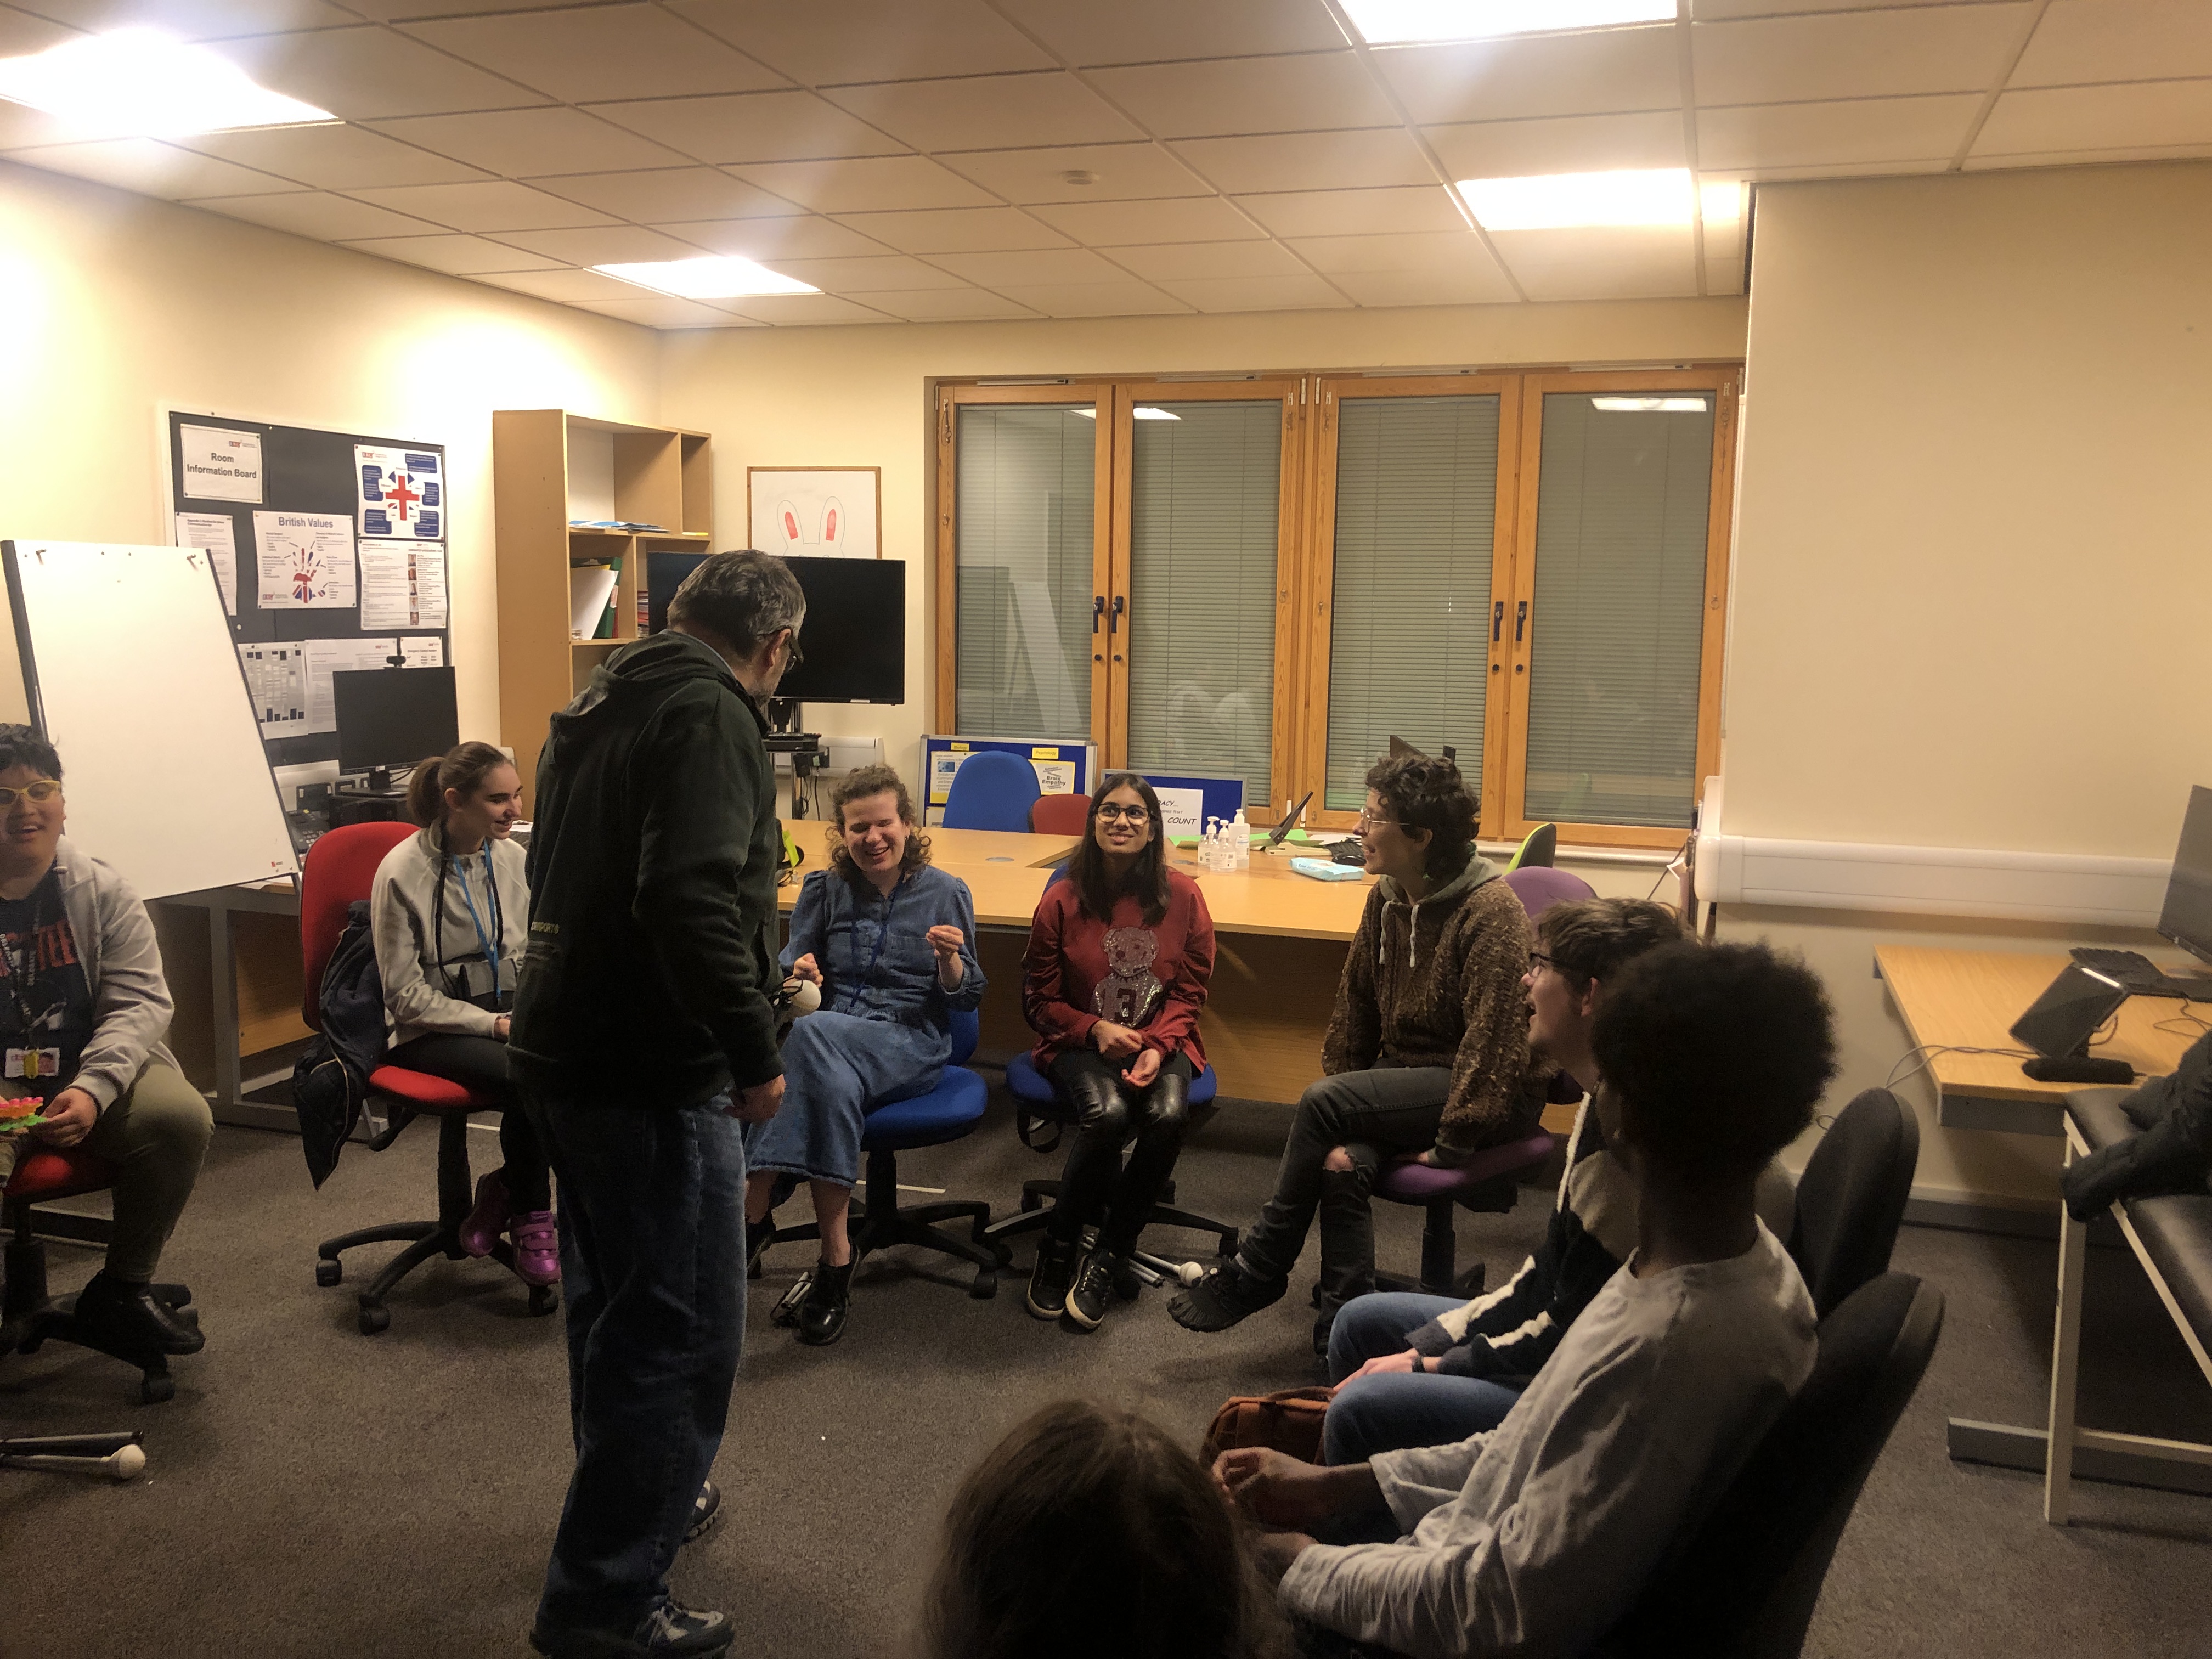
132	674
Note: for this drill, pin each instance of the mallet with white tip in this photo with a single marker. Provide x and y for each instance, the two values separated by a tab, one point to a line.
118	1456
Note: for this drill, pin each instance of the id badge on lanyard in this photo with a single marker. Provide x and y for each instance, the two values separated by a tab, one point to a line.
34	1063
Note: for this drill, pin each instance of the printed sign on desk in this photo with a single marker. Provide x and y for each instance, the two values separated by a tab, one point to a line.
402	494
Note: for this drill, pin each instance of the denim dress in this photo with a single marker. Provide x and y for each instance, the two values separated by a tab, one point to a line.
882	1032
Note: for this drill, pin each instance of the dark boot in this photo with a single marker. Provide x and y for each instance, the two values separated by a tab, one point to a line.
822	1316
125	1318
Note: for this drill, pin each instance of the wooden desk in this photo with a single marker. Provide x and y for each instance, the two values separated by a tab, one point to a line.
254	991
1970	998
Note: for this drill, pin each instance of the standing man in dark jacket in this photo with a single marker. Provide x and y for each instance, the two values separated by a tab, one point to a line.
643	1038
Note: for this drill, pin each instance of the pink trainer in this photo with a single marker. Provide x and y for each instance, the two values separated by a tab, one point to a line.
489	1218
536	1247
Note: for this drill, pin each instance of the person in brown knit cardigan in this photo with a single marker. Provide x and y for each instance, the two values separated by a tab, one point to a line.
1427	1050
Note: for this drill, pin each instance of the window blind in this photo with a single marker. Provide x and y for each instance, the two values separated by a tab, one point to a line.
1619	612
1416	513
1201	628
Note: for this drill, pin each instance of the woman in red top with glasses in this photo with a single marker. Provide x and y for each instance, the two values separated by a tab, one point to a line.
1120	953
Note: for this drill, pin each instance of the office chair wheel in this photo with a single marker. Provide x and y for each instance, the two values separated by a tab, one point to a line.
157	1388
985	1284
328	1274
543	1299
1229	1241
373	1318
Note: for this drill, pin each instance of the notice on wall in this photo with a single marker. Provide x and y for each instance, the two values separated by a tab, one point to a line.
325	658
211	533
429	653
277	679
219	465
402	494
403	584
304	560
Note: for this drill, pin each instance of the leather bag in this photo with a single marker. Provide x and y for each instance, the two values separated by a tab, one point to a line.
1289	1421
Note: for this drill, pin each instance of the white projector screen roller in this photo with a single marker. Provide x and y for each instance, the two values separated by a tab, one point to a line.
132	674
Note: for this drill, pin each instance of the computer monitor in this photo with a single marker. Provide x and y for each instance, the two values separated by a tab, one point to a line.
393	717
2186	917
663	575
854	641
2060	1023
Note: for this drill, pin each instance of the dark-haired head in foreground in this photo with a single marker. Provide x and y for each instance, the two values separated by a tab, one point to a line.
1087	1534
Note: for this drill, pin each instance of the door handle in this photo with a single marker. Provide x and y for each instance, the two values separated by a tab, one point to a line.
1114	617
1097	610
1497	621
1520	621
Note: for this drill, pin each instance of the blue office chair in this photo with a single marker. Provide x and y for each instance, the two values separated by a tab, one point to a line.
946	1113
992	791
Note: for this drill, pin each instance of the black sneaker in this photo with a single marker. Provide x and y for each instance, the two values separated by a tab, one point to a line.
1094	1289
1225	1296
706	1510
1050	1279
669	1629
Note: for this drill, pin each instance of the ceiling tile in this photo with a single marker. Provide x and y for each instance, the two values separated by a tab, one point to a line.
331	157
567	285
1316	91
1187	261
366	73
800	236
757	126
151	168
1129	299
1593	72
2161	113
194	19
1635	262
995	112
22	35
786	308
1356	212
388	11
1153	31
2080	41
868	277
1724	276
498	204
1861	130
533	140
957	230
1298	293
1055	266
948	305
1308	161
458	256
1708	10
1121	172
663	193
590	53
22	126
1856	54
863	185
1560	144
826	42
313	213
1190	219
666	310
1477	285
1413	251
609	246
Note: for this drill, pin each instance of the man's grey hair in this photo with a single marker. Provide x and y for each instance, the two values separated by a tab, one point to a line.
741	599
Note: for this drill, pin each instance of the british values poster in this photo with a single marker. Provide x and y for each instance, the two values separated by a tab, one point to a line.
402	494
304	562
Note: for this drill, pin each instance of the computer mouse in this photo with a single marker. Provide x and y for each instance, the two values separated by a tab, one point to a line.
1352	853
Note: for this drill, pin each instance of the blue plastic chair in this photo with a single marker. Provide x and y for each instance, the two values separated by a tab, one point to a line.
946	1113
992	791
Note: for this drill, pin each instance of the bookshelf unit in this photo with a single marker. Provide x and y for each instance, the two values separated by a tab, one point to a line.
549	466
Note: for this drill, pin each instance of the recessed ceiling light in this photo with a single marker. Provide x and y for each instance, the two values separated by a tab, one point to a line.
1556	201
1400	22
1650	405
706	277
140	83
1140	413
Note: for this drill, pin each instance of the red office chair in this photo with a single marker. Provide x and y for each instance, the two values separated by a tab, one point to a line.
1059	815
29	1316
341	868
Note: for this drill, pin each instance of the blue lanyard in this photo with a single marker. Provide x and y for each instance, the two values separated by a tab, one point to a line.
883	933
491	888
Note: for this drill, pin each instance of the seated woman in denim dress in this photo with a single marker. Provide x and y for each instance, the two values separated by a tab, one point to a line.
889	942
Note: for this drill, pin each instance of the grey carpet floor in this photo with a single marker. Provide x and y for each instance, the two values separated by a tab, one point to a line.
313	1492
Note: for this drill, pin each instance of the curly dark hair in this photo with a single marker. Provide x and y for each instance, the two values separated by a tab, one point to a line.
1088	1534
860	783
22	745
1421	793
1595	937
1716	1054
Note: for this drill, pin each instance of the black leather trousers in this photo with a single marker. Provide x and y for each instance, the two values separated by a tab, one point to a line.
1095	1188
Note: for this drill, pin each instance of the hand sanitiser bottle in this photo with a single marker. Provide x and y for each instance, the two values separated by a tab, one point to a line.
1240	843
1209	846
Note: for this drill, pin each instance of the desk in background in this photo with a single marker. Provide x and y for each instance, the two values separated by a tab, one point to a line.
237	991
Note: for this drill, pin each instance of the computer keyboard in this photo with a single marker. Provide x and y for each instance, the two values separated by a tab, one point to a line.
2142	976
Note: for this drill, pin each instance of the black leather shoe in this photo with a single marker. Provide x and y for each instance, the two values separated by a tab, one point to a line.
822	1316
705	1510
131	1316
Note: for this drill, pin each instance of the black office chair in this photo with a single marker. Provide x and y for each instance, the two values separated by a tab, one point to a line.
1743	1585
1851	1199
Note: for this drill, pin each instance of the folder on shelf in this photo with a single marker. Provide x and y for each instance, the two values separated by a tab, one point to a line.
591	593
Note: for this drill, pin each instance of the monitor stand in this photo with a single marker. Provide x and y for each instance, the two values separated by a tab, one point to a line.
808	757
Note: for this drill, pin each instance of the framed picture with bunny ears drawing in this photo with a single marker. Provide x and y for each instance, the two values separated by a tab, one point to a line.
821	511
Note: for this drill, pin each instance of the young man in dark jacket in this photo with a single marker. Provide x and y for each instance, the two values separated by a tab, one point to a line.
643	1038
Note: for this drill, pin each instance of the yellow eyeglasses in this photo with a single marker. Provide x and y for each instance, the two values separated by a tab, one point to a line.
40	790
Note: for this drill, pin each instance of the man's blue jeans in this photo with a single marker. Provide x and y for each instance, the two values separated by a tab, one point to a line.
652	1265
1394	1411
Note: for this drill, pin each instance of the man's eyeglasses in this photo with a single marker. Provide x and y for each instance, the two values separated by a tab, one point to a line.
793	655
1110	813
1370	821
1538	959
40	790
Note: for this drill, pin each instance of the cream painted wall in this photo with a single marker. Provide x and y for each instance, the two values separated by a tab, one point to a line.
859	397
113	304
